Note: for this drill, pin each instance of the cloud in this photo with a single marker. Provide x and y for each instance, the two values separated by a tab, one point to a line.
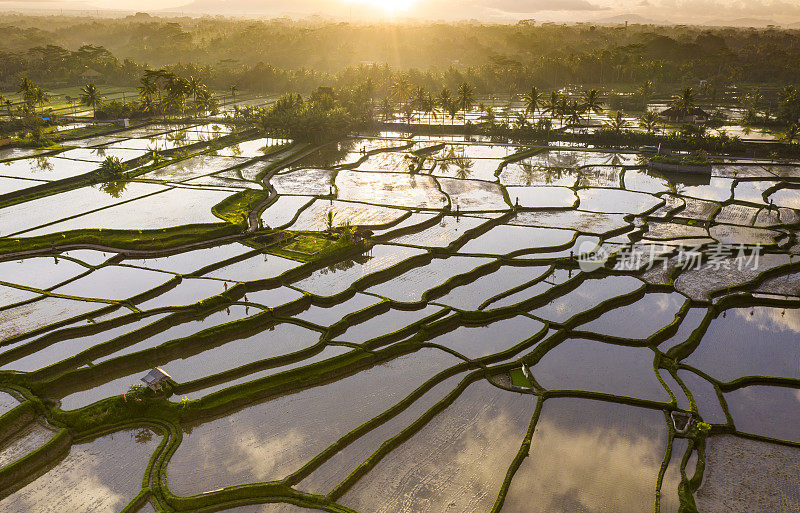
530	6
729	8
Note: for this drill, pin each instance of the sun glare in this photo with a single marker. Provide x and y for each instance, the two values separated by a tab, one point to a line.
390	7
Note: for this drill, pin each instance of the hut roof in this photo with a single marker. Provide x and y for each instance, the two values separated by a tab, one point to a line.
156	375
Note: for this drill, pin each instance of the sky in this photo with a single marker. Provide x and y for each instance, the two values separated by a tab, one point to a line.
736	12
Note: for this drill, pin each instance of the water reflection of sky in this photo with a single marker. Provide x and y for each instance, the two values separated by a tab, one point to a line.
455	463
271	440
101	476
591	456
741	344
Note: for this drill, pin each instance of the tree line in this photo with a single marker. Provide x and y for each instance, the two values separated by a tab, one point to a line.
286	56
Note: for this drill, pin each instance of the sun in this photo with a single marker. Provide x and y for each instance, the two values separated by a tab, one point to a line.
390	7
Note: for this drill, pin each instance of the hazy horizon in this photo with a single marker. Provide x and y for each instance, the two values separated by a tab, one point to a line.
702	12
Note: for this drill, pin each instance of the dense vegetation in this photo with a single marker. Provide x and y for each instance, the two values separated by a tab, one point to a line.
340	77
282	56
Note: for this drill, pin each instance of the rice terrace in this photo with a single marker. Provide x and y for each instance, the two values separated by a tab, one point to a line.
490	276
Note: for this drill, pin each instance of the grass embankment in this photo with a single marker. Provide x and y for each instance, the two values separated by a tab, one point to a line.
675	160
315	246
518	378
53	135
716	144
235	209
132	240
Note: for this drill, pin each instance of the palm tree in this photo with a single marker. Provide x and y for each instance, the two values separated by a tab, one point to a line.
330	216
452	110
40	96
686	100
751	102
444	99
591	102
429	106
112	167
195	87
155	81
645	92
206	102
649	121
386	109
91	97
147	90
573	112
618	122
551	105
419	100
233	90
562	108
148	87
466	98
6	103
177	89
490	116
28	91
147	104
533	100
792	133
401	90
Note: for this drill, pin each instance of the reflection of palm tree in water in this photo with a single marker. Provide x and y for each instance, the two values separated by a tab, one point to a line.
529	171
613	159
462	163
100	151
554	174
152	144
43	164
177	137
446	161
562	159
549	175
114	188
463	167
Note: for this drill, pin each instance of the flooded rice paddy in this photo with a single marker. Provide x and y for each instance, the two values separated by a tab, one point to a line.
509	329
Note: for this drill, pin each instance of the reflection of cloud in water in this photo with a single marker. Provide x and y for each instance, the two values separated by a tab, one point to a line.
265	457
98	477
270	440
772	319
663	302
455	464
591	465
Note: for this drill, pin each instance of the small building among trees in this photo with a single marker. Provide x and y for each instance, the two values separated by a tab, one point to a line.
91	75
155	379
677	115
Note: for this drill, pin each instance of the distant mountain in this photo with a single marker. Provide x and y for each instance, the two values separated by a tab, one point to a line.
268	8
741	22
631	18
